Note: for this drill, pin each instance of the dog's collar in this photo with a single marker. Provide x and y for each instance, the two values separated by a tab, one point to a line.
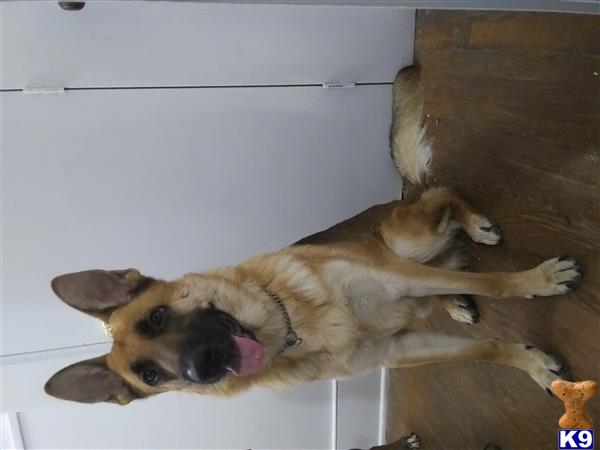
291	339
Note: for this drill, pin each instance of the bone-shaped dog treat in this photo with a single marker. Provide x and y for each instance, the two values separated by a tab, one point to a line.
574	396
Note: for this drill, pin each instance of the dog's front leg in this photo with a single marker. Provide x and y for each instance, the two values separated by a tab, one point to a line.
411	348
553	277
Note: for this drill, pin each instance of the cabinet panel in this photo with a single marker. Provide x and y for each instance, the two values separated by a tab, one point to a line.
259	419
135	43
172	181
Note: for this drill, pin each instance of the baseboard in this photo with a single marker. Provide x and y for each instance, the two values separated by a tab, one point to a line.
383	406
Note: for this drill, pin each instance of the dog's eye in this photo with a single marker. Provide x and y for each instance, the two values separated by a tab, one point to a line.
156	318
150	372
154	323
150	376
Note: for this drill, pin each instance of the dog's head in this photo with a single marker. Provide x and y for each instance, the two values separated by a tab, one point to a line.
181	335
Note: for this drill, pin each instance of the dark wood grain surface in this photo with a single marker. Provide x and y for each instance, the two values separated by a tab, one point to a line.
513	105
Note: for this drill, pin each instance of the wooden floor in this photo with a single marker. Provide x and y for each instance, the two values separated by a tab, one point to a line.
513	104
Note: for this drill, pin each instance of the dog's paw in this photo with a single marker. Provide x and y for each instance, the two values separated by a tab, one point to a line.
556	276
484	231
463	309
544	368
412	442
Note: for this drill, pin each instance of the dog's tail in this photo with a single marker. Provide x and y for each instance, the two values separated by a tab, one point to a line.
411	149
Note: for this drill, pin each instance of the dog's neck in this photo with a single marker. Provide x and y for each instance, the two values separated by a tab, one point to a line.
292	340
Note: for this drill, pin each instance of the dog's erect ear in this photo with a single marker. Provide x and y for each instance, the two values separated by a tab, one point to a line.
98	292
90	381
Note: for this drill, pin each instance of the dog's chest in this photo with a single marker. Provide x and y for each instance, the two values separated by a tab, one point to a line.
375	298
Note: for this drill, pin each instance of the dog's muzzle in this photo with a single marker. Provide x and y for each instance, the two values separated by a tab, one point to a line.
216	344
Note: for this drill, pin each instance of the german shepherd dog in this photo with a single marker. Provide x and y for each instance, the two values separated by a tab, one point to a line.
333	305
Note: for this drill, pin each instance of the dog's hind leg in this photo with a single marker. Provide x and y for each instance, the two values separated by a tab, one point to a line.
424	229
480	228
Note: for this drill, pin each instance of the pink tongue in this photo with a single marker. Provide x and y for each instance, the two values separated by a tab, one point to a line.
247	357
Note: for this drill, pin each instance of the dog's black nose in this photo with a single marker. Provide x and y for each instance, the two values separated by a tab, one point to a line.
204	363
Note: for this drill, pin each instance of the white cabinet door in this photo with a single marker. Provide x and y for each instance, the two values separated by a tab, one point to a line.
260	419
134	43
172	181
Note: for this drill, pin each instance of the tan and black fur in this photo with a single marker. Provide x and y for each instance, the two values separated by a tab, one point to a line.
351	293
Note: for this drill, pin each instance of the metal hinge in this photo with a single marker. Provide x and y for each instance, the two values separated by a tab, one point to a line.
339	84
43	90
